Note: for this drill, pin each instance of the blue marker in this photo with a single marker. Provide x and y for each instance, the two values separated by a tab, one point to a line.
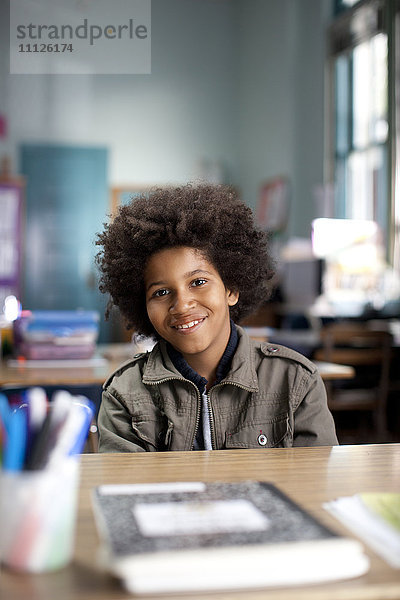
15	446
4	418
87	409
5	411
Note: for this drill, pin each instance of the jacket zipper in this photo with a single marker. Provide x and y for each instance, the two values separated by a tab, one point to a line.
198	407
211	419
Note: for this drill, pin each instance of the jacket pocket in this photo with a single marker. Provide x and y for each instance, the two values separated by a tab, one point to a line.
155	433
265	434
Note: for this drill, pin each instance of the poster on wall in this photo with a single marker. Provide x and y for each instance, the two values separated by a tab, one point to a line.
273	205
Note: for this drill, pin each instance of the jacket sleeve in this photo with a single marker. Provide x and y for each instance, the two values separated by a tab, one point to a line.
115	427
313	421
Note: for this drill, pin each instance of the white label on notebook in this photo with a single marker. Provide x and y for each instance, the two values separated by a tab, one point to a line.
191	518
152	488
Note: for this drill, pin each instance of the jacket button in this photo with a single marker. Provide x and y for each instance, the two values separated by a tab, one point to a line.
262	439
272	349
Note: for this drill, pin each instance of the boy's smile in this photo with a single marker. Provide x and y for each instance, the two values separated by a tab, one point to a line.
188	305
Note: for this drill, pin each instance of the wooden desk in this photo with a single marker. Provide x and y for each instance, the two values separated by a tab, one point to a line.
303	340
307	338
310	475
330	371
81	373
24	376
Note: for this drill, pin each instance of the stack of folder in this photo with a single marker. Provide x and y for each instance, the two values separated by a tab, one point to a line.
48	335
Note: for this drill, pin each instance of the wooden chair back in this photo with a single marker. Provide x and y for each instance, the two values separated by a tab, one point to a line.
356	345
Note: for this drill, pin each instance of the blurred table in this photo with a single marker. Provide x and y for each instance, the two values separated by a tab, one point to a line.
95	371
311	476
330	371
298	338
92	371
304	341
30	373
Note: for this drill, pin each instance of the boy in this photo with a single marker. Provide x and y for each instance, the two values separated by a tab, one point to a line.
183	265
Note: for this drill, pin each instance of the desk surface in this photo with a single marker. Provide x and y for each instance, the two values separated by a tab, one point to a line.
116	354
24	375
310	475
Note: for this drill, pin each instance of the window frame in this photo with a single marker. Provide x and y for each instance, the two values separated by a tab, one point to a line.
370	17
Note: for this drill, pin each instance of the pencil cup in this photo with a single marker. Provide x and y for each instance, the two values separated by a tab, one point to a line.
37	517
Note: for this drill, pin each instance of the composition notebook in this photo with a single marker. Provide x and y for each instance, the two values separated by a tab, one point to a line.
182	537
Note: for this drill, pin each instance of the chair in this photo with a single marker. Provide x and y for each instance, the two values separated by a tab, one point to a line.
369	352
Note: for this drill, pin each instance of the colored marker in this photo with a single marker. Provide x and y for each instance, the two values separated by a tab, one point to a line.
73	432
47	435
5	411
14	450
36	400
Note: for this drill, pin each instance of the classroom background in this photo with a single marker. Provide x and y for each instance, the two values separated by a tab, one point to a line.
293	102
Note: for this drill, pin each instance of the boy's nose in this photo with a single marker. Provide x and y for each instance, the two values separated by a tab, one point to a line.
181	302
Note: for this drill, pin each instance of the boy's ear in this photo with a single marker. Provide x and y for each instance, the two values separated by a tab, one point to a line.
233	298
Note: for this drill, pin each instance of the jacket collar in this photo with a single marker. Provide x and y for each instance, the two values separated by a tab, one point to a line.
222	369
160	367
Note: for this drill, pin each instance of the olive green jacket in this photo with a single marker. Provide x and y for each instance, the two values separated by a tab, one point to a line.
272	396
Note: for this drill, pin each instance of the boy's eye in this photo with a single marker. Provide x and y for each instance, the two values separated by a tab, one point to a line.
160	293
198	282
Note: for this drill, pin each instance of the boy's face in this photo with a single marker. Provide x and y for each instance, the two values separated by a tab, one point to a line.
188	304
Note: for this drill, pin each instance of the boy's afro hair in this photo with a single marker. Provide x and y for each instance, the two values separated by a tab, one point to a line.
210	218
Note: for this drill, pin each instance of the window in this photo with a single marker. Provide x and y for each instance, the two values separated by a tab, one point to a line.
361	42
396	144
341	5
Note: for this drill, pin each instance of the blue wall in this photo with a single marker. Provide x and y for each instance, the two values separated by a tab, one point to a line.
281	74
235	84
